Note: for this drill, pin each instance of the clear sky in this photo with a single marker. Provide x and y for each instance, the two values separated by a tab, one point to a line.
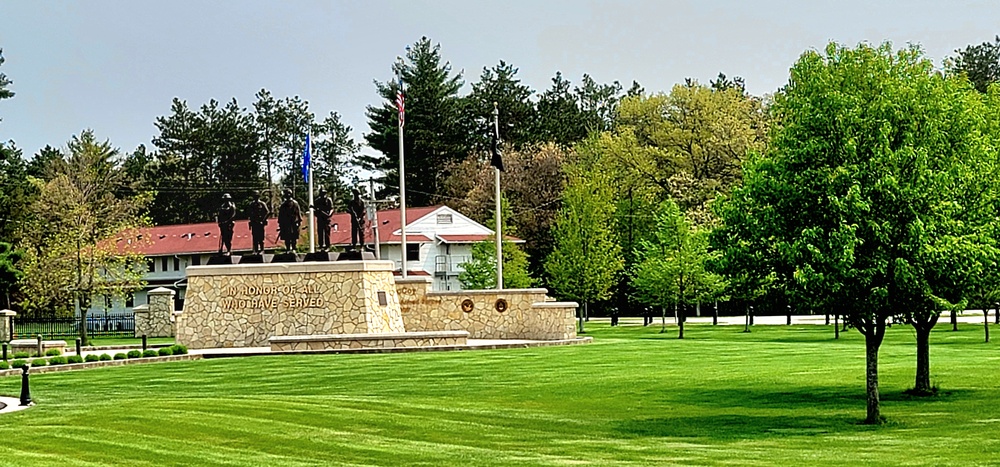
114	66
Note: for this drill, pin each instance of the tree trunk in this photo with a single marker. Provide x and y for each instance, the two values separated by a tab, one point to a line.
874	333
954	320
715	314
680	323
663	320
746	325
827	318
836	326
986	322
579	314
922	383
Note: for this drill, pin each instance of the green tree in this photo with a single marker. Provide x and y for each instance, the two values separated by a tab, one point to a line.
46	161
533	181
10	272
501	85
5	82
558	116
82	239
281	126
16	192
693	141
586	259
672	265
481	272
869	212
979	63
203	154
435	134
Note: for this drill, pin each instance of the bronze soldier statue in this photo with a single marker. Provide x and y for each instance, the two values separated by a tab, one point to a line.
357	210
289	221
227	212
324	212
258	212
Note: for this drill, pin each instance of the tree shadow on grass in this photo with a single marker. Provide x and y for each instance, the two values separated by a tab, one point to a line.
736	426
741	413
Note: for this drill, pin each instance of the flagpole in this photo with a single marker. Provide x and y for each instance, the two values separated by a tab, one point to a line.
496	196
312	216
402	179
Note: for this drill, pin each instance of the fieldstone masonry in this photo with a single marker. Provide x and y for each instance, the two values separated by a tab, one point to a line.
6	317
154	320
246	305
529	313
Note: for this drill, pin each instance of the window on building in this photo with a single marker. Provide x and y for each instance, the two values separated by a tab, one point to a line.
177	263
195	260
444	219
163	263
107	302
130	300
412	252
151	264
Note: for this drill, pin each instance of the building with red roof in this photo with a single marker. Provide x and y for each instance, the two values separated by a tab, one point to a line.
439	239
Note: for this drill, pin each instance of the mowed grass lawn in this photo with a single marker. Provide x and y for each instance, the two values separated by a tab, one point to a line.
777	396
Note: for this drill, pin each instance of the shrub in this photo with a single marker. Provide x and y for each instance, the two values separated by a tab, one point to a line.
91	358
149	353
178	349
21	354
4	365
57	360
165	352
120	356
134	354
19	363
53	352
39	362
74	359
105	357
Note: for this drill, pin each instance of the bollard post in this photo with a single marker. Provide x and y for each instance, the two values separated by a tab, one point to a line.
5	351
25	390
143	342
40	352
78	353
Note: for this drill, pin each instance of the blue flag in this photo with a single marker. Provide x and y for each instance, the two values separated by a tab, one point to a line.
306	160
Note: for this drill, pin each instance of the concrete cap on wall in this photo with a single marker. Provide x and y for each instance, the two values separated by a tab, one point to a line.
161	291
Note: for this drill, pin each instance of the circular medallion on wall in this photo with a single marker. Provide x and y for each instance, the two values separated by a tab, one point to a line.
467	305
500	305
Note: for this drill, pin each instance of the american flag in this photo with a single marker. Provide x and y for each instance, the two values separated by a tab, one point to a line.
400	102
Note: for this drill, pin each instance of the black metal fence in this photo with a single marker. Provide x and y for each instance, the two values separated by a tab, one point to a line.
101	325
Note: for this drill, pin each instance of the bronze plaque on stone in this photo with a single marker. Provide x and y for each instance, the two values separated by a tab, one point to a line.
500	305
467	305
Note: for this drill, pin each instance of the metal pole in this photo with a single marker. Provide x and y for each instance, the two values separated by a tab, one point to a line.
496	196
78	353
402	188
143	342
371	188
25	390
312	210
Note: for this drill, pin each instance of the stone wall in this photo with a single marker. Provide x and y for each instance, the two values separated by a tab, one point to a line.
246	305
155	319
6	316
529	313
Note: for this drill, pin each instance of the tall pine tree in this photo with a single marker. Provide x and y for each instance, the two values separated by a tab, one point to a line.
434	135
